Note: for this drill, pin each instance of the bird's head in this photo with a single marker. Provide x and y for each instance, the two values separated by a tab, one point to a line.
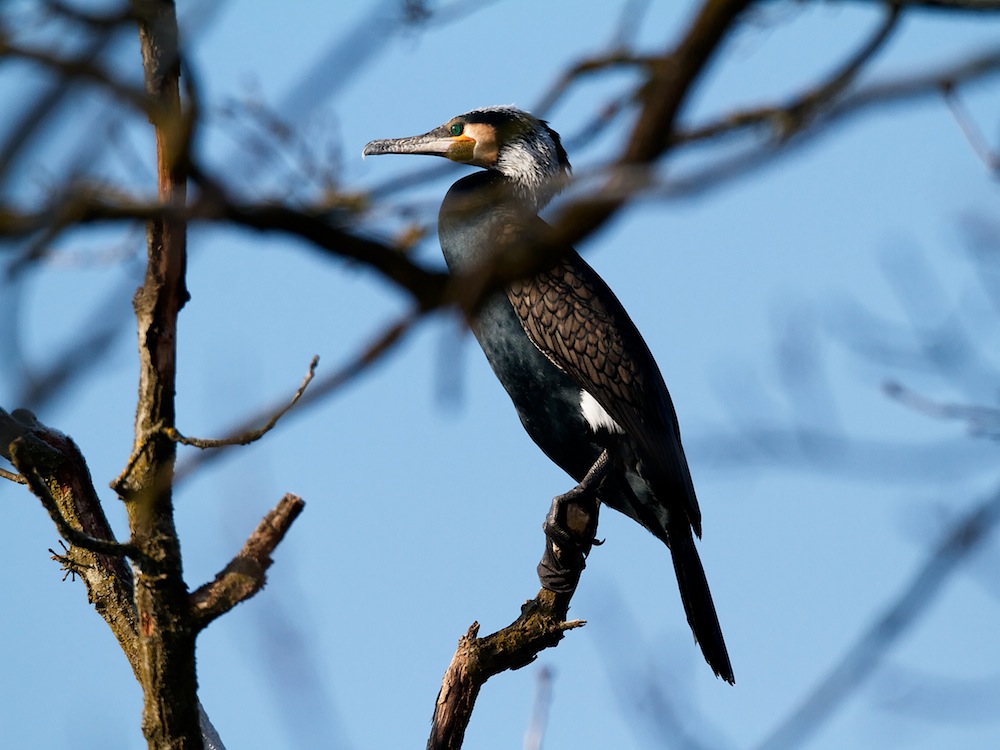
507	140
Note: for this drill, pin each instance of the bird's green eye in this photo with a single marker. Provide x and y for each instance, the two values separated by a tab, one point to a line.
456	128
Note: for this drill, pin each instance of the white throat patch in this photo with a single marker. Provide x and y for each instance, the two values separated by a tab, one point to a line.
596	416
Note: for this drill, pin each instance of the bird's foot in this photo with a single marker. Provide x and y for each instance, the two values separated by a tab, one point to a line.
570	528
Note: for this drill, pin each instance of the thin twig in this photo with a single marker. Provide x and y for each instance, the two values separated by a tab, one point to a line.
81	67
972	133
852	104
13	477
865	655
324	387
975	6
535	733
981	420
617	58
801	110
250	436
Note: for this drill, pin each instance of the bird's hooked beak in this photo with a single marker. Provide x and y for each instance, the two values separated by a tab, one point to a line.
438	142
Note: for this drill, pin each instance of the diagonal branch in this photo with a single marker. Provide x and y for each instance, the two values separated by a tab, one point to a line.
54	470
13	477
86	205
26	454
798	113
977	6
246	573
52	459
541	625
333	382
852	104
570	529
981	421
865	655
249	436
972	133
83	67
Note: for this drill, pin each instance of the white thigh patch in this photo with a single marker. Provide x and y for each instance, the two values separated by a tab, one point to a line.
596	417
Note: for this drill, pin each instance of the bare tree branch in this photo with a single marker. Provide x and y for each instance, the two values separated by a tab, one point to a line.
250	436
246	573
897	91
166	639
13	477
318	227
984	6
535	733
972	133
57	464
26	128
541	625
80	67
369	355
982	421
797	114
542	621
26	456
58	473
867	652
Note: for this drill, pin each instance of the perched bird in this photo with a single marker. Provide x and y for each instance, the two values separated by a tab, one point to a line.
582	379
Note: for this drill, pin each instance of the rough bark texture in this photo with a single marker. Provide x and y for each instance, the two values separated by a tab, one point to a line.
36	449
147	606
245	575
540	626
166	634
52	466
573	521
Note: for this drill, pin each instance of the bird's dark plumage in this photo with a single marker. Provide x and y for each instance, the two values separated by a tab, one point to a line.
579	373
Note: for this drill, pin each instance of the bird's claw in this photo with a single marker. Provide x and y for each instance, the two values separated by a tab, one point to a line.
569	535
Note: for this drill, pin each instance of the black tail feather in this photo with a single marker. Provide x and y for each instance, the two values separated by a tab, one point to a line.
697	599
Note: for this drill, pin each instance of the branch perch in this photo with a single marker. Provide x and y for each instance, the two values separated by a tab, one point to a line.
541	625
542	621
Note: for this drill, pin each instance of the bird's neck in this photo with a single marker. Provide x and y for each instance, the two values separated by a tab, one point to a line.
479	210
533	188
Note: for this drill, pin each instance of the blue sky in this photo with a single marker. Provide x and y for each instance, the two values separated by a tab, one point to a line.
424	496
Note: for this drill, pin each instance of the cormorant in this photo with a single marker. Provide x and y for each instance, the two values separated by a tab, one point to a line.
582	379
